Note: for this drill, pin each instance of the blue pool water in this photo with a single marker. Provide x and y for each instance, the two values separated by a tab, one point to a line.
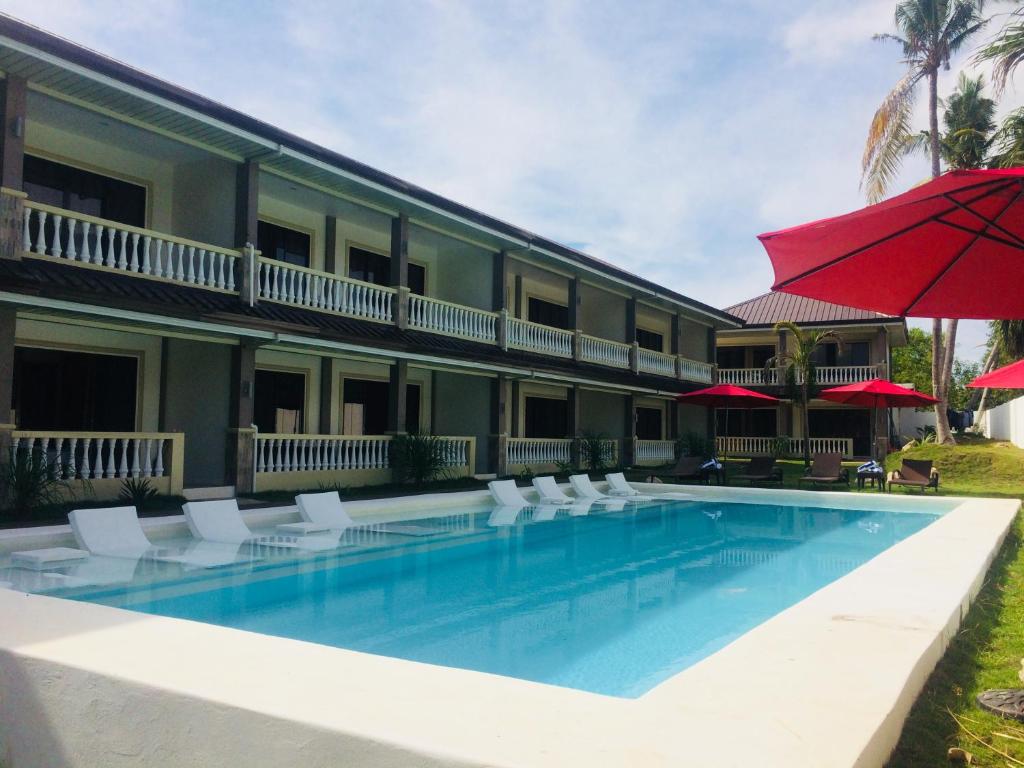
613	602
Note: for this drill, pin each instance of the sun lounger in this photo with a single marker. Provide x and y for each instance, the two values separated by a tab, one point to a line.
688	468
584	489
761	470
507	493
915	473
618	487
549	492
221	521
504	515
323	511
117	532
826	468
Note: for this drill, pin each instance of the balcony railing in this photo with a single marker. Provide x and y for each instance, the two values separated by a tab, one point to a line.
659	363
313	289
766	446
826	375
654	451
276	453
614	354
534	337
97	456
537	451
90	241
74	238
443	317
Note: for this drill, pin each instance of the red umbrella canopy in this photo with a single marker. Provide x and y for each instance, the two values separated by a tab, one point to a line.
728	396
878	393
1008	377
935	251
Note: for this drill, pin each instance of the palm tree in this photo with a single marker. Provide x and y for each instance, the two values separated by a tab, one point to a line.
1009	140
930	32
800	370
1006	49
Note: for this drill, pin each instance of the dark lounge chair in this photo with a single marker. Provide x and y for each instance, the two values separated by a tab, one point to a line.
915	473
760	470
688	468
826	468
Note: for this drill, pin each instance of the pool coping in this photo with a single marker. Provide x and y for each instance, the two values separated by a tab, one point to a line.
827	682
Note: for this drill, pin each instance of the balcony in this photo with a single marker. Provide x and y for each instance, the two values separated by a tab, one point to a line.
87	241
828	375
793	446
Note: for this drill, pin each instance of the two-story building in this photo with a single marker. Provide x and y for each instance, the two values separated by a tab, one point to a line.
865	353
191	295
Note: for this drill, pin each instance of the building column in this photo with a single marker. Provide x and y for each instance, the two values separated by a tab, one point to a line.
12	137
326	394
573	306
673	420
331	245
629	431
241	433
397	391
572	394
634	363
514	430
499	296
8	325
400	267
247	203
499	425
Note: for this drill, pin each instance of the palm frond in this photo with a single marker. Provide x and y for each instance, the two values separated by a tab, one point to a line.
887	137
1005	51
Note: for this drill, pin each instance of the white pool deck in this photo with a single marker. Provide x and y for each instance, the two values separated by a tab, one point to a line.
827	682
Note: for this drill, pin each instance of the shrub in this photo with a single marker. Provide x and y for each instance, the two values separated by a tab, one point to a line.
31	479
780	447
596	452
138	492
695	444
417	459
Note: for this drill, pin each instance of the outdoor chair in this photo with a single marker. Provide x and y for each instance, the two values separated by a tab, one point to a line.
688	468
321	511
618	487
915	473
222	521
761	469
826	468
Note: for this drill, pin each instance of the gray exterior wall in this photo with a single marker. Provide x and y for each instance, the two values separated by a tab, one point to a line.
462	407
602	314
197	380
602	413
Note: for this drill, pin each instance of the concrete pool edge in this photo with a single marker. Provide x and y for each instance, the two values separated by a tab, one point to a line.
827	682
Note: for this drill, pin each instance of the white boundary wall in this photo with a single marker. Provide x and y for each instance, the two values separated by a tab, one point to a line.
1005	422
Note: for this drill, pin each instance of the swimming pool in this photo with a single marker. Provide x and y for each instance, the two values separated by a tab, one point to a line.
611	602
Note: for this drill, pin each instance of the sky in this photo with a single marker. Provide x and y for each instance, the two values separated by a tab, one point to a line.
661	136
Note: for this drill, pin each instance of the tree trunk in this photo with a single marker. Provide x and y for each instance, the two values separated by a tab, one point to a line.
943	434
807	422
982	401
947	376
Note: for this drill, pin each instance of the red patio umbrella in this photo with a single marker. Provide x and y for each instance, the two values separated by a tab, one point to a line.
727	396
1008	377
877	393
938	250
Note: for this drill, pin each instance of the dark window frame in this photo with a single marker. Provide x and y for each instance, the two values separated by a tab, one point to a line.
645	339
304	374
556	430
413	413
417	271
549	313
642	432
74	184
284	231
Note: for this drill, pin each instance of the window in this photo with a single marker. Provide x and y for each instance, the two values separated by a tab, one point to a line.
58	389
546	417
366	403
826	354
756	422
859	351
373	267
650	340
283	244
53	183
648	423
760	355
731	357
279	402
547	313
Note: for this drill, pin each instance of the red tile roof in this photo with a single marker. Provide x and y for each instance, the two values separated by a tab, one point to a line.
771	308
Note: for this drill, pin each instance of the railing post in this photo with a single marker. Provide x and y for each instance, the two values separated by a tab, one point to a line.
577	345
401	310
634	357
679	367
502	330
250	290
177	474
12	223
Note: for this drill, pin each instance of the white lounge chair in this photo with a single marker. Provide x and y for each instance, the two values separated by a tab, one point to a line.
322	511
221	521
507	493
549	492
117	532
618	487
504	515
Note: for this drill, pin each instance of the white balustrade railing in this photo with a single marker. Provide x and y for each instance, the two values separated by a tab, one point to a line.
100	455
843	374
290	284
654	451
695	370
748	377
766	446
538	450
81	239
534	337
443	317
604	352
651	361
331	453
